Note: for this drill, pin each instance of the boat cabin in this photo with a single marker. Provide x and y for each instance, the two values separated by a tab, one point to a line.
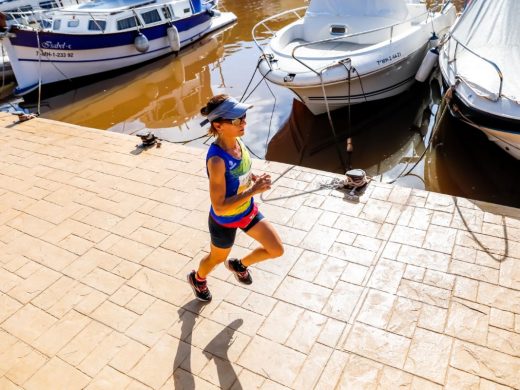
110	16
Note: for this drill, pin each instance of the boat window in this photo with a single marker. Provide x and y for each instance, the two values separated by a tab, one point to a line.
49	4
73	23
25	8
186	10
56	25
123	24
97	25
338	30
151	16
167	13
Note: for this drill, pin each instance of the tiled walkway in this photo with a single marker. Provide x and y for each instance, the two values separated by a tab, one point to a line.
403	290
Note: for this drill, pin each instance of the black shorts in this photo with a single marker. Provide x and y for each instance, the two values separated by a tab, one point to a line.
224	237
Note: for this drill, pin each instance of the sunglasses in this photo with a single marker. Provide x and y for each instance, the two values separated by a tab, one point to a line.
234	122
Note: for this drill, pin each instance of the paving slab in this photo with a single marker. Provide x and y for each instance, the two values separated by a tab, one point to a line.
399	289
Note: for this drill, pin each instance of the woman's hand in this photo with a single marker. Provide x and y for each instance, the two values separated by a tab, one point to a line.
261	184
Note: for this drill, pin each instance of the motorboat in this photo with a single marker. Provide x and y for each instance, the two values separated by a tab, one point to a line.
106	35
343	52
479	61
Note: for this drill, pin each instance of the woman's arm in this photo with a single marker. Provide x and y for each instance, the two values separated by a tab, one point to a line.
217	187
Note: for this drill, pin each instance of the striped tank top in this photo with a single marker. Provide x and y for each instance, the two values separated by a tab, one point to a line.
238	179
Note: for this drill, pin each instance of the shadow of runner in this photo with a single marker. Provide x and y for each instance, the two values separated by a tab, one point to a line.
217	349
182	377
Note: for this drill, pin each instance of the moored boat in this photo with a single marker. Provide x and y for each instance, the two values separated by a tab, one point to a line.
348	52
106	35
480	62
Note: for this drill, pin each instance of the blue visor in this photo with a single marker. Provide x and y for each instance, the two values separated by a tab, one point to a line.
228	109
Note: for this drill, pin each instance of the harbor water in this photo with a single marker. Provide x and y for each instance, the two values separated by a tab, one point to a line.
388	137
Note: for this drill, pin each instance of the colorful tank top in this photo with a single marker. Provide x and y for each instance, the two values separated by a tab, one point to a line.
238	179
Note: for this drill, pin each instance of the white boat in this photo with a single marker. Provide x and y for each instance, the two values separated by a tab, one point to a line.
106	35
480	61
345	52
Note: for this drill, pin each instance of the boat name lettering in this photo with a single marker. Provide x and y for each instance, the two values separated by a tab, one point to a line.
56	45
54	54
389	58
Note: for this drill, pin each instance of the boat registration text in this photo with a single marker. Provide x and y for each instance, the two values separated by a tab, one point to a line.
58	54
389	58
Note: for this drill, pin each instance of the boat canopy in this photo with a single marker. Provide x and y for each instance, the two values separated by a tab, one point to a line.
491	30
390	9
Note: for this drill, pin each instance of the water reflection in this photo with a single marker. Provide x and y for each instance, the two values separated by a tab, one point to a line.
465	163
390	138
386	135
164	96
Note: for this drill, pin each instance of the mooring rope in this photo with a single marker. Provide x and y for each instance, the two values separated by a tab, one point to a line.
443	107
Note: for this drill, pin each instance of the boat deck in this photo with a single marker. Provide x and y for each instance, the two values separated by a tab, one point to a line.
317	50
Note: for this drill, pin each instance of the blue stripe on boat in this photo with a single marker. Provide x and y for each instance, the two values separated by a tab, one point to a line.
100	41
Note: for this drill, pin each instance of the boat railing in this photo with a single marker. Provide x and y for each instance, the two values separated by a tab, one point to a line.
493	65
341	37
28	17
263	23
44	17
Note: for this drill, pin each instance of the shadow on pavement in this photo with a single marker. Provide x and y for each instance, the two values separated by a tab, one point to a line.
182	377
216	349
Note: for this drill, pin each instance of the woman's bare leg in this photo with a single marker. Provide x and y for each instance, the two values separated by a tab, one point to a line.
266	235
215	257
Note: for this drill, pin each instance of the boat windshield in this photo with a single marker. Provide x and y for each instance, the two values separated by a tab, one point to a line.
392	9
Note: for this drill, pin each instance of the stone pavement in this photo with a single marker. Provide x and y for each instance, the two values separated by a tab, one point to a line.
404	289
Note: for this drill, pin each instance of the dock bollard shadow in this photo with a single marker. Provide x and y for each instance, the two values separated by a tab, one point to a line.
219	347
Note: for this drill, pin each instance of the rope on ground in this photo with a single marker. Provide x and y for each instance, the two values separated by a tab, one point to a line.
352	183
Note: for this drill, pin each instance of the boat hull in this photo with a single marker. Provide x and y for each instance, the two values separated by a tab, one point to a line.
382	84
498	117
67	56
504	132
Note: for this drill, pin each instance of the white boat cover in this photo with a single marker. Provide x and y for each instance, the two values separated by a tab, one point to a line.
391	9
492	30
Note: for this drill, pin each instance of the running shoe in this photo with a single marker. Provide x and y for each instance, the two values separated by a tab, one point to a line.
200	289
241	272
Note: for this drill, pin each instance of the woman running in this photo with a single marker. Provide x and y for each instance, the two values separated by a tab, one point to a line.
232	186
